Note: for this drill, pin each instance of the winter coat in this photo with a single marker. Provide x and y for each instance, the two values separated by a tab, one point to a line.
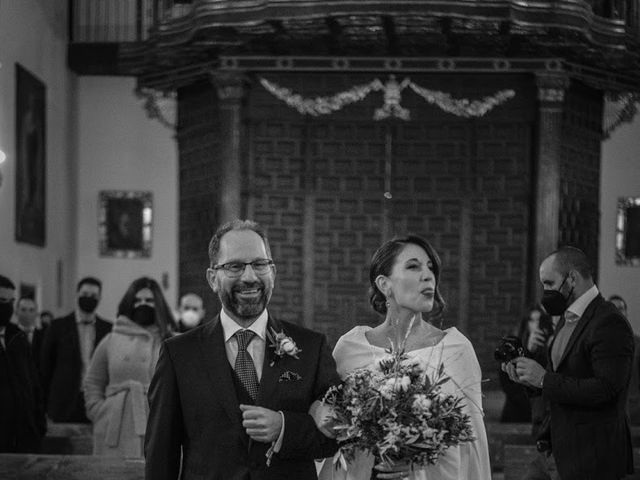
115	388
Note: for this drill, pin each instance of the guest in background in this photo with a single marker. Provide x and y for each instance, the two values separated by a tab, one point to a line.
633	400
27	321
22	419
116	384
66	351
534	331
46	317
190	312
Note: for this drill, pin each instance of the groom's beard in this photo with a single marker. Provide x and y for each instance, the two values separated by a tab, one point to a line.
245	308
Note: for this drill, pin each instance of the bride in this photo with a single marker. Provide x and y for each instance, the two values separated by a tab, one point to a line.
404	276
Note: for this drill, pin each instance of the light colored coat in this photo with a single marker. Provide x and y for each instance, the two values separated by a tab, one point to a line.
115	388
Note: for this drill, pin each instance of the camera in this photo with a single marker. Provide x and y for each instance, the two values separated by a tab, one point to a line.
510	347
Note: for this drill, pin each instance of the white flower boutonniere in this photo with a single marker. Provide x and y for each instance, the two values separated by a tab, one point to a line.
282	344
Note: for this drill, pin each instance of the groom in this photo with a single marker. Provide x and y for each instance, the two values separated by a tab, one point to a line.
229	399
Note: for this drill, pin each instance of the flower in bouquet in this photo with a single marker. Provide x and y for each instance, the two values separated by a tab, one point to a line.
397	412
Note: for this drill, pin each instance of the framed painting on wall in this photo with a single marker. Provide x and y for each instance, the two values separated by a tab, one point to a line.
628	232
30	224
124	225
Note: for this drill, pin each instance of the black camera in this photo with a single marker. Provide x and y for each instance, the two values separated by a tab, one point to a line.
510	347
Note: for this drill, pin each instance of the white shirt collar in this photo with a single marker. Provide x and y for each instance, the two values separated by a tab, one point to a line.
230	327
582	302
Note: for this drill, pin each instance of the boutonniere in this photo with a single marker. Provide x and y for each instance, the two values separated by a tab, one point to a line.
282	345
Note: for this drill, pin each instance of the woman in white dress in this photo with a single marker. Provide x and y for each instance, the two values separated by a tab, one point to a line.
404	276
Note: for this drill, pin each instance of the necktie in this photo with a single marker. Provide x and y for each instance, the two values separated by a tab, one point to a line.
244	367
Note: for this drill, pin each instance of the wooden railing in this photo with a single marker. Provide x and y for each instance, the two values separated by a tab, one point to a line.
115	21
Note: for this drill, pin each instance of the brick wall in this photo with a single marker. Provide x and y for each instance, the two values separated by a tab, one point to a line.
444	168
198	145
580	171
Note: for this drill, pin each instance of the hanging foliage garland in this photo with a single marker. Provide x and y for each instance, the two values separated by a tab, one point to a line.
392	97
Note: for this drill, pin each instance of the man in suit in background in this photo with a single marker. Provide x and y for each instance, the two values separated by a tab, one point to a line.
228	401
27	321
22	419
587	376
66	352
633	400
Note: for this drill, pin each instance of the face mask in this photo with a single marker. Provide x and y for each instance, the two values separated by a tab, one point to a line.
190	318
88	304
554	302
6	312
144	315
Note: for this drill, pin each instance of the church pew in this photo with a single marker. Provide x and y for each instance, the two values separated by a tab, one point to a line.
68	467
518	457
500	434
68	439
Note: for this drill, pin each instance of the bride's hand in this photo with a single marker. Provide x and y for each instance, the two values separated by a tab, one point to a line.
388	471
321	414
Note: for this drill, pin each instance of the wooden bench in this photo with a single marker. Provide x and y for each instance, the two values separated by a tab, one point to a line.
500	434
68	439
69	467
518	457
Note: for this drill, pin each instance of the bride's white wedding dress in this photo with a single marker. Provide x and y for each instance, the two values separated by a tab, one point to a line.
469	460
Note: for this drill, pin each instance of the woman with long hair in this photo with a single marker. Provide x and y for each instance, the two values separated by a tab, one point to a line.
115	386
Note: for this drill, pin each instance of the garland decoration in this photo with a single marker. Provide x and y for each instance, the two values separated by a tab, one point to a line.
392	97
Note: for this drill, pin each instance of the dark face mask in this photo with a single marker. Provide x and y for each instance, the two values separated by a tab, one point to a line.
144	315
6	312
554	302
88	304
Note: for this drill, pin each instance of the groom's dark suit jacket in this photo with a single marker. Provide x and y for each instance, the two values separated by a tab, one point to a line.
587	393
194	408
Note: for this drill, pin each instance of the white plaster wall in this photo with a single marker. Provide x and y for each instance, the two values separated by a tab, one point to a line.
620	178
32	33
119	148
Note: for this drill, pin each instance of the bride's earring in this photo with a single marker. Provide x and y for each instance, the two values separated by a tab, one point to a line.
388	304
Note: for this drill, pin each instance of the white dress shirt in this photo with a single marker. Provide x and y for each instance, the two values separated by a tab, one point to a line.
256	347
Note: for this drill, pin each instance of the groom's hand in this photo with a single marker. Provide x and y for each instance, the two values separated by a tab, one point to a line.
261	424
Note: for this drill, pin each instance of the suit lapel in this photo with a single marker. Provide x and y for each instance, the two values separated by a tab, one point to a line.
213	351
72	330
267	394
582	323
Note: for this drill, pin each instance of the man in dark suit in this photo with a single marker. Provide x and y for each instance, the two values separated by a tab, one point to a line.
587	375
229	399
22	419
66	352
26	320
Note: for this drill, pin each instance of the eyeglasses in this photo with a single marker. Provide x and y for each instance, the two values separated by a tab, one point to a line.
235	269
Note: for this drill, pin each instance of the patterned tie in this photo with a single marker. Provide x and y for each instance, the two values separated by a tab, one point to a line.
244	367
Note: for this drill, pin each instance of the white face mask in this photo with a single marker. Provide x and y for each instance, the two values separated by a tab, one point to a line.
190	318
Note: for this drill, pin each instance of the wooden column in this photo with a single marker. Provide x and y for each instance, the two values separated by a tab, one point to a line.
230	88
546	173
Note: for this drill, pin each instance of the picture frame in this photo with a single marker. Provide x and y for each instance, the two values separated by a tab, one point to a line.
125	223
31	154
628	232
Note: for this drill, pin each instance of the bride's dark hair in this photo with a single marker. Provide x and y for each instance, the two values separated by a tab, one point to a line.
382	262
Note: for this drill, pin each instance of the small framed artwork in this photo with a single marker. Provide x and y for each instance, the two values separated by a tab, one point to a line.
628	232
124	223
30	226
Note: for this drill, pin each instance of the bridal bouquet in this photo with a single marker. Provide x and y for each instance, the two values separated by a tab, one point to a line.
397	412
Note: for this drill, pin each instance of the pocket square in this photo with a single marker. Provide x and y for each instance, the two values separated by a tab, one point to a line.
289	376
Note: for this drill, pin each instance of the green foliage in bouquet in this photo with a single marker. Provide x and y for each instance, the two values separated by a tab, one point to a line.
397	412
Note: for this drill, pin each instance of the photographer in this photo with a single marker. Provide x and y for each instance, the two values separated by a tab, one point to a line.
586	380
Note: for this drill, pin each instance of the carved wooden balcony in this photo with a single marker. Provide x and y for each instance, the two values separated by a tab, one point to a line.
178	39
